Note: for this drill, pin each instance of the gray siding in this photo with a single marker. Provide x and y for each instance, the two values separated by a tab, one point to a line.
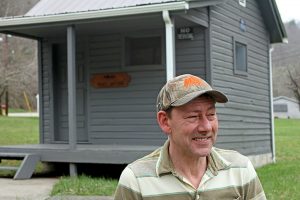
113	115
60	103
122	115
45	98
128	115
54	93
190	54
245	120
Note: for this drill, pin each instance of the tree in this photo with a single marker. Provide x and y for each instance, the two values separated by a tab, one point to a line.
295	82
285	61
18	60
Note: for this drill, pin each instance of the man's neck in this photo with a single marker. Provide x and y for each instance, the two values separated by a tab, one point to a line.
192	169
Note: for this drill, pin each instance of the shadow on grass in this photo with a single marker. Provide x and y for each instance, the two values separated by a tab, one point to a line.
112	171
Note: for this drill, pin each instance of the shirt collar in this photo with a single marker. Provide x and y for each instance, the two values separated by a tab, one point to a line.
165	166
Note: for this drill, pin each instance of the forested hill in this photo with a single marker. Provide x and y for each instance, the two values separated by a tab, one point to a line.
287	57
287	54
15	7
18	60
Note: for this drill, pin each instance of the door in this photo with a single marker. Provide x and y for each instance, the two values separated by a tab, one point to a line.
60	92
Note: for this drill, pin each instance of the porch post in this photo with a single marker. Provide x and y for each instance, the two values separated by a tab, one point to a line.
71	49
170	45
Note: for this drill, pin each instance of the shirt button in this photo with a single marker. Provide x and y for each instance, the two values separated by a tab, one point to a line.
197	197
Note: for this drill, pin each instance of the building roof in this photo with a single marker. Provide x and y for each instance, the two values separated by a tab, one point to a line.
50	7
50	12
285	98
273	21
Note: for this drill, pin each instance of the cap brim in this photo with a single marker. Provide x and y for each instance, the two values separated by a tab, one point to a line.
215	94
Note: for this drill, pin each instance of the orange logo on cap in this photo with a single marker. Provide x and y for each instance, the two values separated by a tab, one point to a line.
193	81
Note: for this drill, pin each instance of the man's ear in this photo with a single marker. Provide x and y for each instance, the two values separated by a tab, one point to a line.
163	122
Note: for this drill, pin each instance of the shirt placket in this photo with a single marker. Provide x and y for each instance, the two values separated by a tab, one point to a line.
206	177
187	184
197	192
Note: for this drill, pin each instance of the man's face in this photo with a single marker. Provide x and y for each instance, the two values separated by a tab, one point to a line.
193	127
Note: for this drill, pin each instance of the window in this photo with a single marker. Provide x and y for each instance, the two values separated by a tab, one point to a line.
240	58
280	108
143	51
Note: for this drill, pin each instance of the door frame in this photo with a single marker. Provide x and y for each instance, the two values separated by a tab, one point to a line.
53	122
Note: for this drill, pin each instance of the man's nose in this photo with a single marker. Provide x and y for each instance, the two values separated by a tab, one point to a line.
204	125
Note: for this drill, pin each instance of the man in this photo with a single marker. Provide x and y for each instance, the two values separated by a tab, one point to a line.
188	166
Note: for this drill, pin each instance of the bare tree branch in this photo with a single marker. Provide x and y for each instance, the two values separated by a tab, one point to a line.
18	57
295	85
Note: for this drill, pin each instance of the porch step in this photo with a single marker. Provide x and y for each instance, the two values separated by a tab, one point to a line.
26	169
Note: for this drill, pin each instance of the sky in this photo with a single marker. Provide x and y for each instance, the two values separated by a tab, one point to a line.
289	9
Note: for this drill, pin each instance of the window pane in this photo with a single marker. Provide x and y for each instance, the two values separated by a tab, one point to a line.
144	51
240	57
280	108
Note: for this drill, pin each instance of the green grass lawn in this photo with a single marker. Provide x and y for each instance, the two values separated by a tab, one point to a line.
18	110
85	185
280	180
25	130
19	130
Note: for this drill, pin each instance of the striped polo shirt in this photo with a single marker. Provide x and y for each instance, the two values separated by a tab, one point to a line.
229	175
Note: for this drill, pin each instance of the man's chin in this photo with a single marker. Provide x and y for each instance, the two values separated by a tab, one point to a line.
203	152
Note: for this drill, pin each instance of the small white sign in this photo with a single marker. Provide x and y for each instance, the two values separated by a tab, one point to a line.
242	3
185	33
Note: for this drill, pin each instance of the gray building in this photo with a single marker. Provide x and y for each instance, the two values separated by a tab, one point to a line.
285	107
102	63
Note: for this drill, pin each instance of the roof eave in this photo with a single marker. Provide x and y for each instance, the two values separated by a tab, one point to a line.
204	3
286	98
273	21
70	17
280	24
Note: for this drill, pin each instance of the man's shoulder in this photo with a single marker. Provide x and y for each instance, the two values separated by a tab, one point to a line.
235	158
145	166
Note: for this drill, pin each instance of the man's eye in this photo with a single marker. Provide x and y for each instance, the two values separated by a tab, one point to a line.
193	116
211	116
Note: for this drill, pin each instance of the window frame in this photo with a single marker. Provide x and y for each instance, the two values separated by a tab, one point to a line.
235	69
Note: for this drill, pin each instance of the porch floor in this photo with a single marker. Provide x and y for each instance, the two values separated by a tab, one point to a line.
84	153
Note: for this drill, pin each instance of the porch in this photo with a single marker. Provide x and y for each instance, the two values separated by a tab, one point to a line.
110	120
84	153
61	153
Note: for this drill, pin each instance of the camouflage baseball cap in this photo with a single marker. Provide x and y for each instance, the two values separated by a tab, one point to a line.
184	88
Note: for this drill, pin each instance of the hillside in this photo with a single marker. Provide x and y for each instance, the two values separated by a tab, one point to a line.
18	60
286	57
